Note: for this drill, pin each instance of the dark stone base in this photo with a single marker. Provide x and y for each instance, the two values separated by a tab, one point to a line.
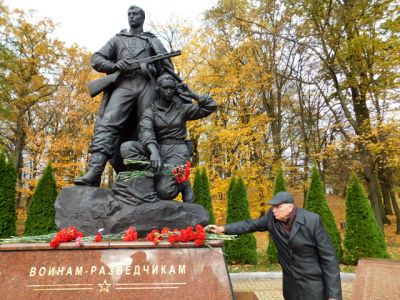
91	208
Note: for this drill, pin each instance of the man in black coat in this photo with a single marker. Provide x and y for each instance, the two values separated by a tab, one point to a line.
309	264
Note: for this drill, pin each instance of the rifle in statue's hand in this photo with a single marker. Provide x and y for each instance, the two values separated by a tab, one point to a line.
97	86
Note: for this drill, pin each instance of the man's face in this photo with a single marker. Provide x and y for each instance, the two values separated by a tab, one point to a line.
167	89
135	18
282	211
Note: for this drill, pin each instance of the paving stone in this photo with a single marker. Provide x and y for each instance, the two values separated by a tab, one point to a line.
266	289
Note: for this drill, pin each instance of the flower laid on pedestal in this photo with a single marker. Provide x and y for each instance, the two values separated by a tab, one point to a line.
66	235
130	235
176	235
99	235
197	235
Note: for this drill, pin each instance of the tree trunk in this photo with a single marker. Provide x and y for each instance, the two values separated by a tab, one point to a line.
269	103
386	200
276	139
386	189
396	210
389	182
305	178
372	186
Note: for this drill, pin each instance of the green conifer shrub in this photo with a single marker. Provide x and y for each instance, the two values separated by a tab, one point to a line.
243	249
197	183
279	182
41	212
363	236
232	184
8	180
279	186
201	189
316	202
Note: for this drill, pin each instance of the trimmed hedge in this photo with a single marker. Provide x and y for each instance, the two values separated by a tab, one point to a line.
243	249
201	189
316	202
41	212
363	236
8	212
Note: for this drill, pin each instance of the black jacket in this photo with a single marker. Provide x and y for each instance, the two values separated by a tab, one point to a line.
308	259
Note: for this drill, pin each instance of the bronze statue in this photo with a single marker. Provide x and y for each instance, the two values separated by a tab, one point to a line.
140	85
162	134
125	100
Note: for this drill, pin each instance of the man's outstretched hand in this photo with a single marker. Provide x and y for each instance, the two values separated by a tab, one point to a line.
215	229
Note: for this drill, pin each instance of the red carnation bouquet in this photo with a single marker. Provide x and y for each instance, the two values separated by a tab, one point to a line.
177	235
183	235
66	235
195	234
130	235
181	173
70	234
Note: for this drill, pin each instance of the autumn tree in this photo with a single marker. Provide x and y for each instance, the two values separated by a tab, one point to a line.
236	64
356	47
259	62
332	91
363	237
71	128
41	211
313	133
316	202
315	79
244	249
32	69
8	214
45	111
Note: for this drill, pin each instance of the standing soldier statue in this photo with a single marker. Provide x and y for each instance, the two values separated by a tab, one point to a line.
134	60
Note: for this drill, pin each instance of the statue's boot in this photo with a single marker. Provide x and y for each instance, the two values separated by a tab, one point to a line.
187	192
97	162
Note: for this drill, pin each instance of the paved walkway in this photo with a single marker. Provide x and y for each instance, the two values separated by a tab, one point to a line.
268	285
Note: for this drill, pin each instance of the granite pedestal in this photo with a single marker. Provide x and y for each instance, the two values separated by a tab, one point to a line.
114	270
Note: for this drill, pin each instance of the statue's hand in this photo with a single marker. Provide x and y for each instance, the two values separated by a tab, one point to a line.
184	90
122	65
155	161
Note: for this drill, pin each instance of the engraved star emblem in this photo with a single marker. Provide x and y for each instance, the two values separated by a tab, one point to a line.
104	286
